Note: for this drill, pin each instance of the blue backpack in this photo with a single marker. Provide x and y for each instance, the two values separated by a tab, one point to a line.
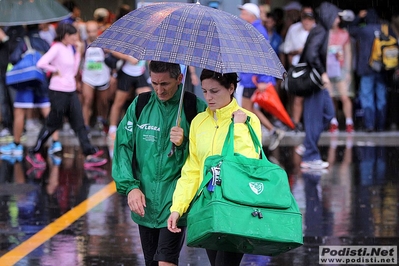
25	73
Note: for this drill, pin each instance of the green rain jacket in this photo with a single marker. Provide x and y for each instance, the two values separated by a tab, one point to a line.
153	172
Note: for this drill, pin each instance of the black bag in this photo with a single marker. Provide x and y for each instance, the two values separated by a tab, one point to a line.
302	80
112	62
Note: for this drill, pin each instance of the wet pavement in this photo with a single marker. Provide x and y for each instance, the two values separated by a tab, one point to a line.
355	202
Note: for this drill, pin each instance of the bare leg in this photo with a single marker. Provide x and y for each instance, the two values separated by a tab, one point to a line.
19	121
87	102
102	104
297	109
116	108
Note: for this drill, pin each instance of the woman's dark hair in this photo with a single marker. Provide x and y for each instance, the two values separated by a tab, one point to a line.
162	67
224	79
63	29
70	5
32	27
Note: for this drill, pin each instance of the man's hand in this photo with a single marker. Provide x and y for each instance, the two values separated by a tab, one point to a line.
136	201
326	82
177	135
172	222
2	35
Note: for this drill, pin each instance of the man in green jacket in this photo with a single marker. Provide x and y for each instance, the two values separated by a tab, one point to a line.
145	140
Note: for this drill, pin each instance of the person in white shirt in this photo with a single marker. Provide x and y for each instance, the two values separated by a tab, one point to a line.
131	79
96	77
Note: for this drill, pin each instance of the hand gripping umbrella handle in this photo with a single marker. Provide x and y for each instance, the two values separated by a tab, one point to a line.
178	118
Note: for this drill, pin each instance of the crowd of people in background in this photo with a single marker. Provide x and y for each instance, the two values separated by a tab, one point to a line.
106	81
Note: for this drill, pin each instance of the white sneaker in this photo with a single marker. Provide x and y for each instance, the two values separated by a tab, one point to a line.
5	132
316	164
32	127
300	149
275	139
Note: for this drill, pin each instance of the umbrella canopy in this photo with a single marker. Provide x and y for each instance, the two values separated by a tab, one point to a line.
192	34
25	12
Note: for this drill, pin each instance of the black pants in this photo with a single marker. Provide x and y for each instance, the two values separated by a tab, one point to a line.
6	107
64	104
224	258
159	244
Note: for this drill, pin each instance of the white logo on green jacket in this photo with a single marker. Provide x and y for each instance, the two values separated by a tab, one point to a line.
256	187
129	126
148	127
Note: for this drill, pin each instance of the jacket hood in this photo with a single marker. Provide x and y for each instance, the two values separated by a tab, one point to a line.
327	13
371	17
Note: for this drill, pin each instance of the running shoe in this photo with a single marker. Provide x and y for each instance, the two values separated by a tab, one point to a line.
36	160
315	164
95	160
12	149
275	139
55	147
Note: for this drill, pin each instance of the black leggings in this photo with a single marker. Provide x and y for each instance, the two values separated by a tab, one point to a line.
64	104
224	258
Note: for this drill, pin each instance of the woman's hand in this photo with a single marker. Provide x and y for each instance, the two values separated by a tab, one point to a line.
172	222
79	47
239	116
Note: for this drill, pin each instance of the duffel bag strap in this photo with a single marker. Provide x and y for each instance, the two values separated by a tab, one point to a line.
228	147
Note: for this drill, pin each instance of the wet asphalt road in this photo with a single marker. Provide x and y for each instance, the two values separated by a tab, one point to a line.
355	202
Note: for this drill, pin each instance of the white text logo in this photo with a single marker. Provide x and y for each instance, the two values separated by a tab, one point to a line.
148	127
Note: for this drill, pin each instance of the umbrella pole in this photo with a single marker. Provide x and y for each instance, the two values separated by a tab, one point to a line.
178	118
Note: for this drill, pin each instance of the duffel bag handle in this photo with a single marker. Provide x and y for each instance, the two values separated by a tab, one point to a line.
228	146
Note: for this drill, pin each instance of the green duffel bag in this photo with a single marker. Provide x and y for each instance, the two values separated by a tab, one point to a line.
244	205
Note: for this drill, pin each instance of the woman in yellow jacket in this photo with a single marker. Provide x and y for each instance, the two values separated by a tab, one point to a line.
207	134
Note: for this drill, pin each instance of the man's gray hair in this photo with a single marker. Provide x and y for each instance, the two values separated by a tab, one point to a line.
162	67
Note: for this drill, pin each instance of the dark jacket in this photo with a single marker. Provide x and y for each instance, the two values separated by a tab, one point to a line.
15	34
363	32
315	51
36	42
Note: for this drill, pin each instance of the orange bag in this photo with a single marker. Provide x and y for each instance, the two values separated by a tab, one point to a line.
271	103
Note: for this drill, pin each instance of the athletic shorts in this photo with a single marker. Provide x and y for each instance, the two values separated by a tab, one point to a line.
126	82
159	244
27	98
248	92
99	88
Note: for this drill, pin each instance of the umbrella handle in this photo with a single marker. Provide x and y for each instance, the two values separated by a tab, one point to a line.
178	118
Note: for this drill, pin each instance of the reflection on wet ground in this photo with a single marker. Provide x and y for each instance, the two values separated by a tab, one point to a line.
355	202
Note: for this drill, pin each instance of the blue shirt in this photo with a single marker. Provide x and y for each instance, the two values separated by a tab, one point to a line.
246	78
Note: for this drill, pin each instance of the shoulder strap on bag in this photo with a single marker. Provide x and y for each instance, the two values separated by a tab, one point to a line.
189	104
142	100
27	42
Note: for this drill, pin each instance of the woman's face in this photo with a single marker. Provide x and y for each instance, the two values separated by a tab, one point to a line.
71	38
216	95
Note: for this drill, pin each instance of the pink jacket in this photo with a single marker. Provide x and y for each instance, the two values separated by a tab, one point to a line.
63	59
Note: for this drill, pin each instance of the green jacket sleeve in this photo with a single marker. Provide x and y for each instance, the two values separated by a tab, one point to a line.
122	172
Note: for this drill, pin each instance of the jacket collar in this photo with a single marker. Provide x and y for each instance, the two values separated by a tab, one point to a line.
225	112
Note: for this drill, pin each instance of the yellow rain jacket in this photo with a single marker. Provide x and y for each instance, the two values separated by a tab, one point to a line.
207	134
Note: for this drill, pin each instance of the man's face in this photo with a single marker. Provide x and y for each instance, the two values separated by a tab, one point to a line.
247	16
165	86
92	31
